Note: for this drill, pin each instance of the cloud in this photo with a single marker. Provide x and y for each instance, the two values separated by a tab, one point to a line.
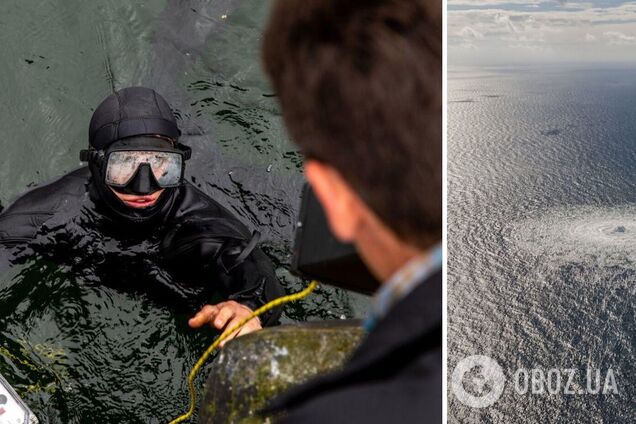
492	2
615	37
519	4
575	30
505	21
468	32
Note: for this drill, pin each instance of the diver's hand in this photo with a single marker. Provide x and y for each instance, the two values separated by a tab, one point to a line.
226	315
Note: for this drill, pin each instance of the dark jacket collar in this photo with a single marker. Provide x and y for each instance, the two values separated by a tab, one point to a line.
411	326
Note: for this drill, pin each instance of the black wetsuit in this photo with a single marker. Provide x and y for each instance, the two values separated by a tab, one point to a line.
192	252
395	375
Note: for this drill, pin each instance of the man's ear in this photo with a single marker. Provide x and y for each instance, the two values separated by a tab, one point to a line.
342	206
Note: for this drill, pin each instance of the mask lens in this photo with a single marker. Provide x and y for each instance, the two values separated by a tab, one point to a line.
122	166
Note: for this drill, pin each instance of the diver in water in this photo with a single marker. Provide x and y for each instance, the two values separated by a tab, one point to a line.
131	220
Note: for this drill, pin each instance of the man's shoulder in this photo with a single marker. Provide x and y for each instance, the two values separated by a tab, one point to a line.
399	359
22	219
416	317
411	396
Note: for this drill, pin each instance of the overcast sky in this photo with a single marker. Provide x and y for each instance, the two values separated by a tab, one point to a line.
496	32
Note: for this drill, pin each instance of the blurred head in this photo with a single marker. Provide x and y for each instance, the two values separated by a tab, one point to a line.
360	85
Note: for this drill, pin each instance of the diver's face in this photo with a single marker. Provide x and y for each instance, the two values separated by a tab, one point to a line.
139	201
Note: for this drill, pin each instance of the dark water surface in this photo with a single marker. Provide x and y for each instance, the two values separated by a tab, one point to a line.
80	352
542	234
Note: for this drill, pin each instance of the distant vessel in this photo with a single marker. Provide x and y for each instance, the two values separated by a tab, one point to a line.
12	409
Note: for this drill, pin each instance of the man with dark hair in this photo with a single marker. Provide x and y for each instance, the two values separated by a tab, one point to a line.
360	85
131	219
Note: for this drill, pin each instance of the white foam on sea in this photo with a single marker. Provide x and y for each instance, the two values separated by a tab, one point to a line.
590	235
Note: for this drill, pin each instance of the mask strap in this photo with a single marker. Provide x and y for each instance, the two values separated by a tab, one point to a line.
187	151
90	155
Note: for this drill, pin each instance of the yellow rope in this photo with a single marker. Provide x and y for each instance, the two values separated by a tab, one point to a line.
193	373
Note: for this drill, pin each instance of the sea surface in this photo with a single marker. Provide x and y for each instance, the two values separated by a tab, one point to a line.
80	352
542	238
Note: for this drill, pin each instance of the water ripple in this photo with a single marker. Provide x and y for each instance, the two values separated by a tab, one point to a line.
605	236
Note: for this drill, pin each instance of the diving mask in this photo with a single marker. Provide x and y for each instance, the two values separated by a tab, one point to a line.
121	166
141	164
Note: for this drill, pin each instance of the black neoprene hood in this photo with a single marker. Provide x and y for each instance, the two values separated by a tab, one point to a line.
132	111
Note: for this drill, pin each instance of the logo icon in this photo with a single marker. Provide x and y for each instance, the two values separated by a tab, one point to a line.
478	381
